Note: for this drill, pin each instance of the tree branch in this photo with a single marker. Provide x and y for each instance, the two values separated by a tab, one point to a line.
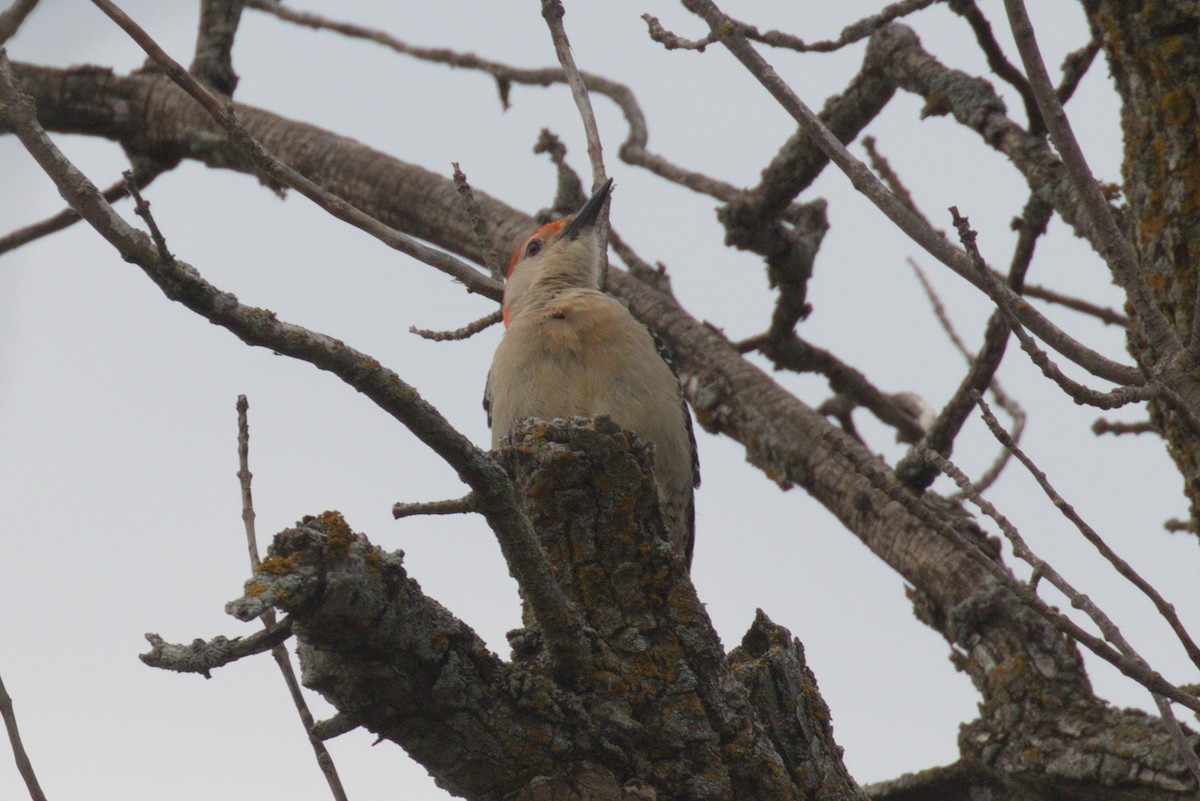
10	20
454	506
552	12
1123	568
143	176
204	656
632	149
24	764
1124	658
466	332
279	652
213	62
854	32
866	182
998	62
995	289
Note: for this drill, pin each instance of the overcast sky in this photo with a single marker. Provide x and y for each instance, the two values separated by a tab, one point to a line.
117	425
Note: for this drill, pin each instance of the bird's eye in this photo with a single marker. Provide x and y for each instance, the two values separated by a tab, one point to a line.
533	248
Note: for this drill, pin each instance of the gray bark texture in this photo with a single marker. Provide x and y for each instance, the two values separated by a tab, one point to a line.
662	713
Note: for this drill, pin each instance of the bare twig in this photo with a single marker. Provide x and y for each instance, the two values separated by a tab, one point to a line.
1075	66
282	658
855	32
1127	662
939	309
998	62
790	263
552	12
1120	565
67	217
633	149
478	225
866	182
882	479
1077	391
213	62
562	625
142	209
989	476
280	173
912	469
24	765
569	193
1104	314
466	332
244	478
12	18
456	506
983	365
892	179
1003	399
794	353
339	724
1185	748
1118	253
205	656
1111	632
1117	428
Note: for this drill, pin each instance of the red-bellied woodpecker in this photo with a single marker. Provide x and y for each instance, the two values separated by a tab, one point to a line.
569	350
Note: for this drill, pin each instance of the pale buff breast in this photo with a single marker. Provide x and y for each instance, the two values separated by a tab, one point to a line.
584	365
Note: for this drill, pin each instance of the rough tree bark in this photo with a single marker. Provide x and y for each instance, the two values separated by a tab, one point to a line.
1153	52
664	714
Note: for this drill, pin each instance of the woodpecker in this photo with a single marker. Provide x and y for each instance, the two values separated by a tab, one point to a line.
569	350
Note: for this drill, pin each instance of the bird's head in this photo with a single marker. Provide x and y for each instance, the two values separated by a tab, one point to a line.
560	255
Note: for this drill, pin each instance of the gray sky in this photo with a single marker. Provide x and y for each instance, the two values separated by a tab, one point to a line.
117	423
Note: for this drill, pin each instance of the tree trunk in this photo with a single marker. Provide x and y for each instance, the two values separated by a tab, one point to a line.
1153	52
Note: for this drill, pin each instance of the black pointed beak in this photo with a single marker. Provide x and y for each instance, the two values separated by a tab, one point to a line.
586	217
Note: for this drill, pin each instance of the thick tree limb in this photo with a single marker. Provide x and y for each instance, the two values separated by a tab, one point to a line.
1161	180
666	708
213	62
402	666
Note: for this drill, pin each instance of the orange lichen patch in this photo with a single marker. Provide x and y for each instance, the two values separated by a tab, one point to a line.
278	565
1190	202
338	536
1176	106
1150	227
1157	283
374	563
1005	672
255	589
